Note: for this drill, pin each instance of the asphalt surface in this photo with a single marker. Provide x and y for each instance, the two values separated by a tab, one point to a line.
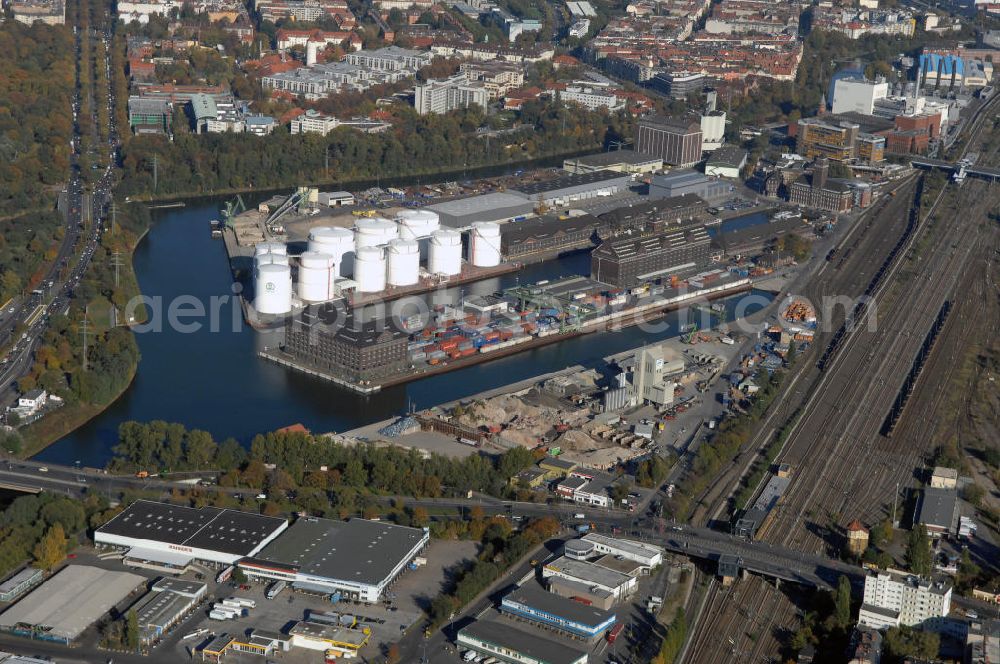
77	248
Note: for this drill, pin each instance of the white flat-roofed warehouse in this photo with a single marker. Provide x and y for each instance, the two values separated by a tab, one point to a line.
169	536
593	576
620	161
68	603
510	644
357	558
647	555
166	604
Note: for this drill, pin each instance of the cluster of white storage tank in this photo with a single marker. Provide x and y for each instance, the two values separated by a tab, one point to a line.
378	253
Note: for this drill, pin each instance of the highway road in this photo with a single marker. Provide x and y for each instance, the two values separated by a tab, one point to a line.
85	203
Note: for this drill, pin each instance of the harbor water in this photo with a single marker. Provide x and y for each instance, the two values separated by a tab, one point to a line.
210	378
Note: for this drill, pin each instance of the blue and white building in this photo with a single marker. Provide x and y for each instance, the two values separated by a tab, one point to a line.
531	603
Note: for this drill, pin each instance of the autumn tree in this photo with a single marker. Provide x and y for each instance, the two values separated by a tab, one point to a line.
51	550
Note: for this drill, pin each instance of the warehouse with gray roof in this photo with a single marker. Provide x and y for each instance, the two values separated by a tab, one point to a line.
570	188
357	559
69	602
496	206
494	638
532	603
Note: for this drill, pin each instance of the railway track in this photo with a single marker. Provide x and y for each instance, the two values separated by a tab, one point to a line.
838	433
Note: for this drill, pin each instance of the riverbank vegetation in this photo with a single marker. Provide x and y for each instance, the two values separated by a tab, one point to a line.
324	476
416	145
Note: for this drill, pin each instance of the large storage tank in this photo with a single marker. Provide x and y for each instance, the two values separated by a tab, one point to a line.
339	243
404	262
273	289
268	259
445	252
484	244
316	277
270	248
370	269
374	232
418	225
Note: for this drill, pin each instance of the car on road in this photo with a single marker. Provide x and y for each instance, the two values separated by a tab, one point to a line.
43	469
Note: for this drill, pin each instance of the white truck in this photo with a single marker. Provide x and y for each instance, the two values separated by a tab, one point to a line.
244	602
275	589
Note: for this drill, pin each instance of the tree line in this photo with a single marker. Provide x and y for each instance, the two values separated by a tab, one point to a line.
416	145
283	461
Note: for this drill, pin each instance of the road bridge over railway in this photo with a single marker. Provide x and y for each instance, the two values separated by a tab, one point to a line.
963	167
761	558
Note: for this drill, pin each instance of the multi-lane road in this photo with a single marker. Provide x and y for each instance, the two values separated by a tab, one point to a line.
23	321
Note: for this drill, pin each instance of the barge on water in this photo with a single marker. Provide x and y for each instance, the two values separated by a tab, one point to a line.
365	357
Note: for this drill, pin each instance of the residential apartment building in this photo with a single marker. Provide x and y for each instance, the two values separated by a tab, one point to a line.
307	10
313	122
50	12
390	58
442	96
498	78
855	22
675	140
755	16
893	598
591	97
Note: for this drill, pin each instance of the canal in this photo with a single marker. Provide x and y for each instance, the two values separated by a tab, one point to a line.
210	377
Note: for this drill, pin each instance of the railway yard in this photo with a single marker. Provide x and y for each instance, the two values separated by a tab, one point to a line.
930	245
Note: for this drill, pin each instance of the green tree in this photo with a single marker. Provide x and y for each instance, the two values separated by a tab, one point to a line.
902	642
842	602
918	551
132	630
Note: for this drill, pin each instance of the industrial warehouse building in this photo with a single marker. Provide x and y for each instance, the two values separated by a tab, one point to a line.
938	510
494	638
534	604
357	559
629	261
681	182
619	161
165	605
566	190
497	206
547	235
17	584
170	537
320	338
68	603
618	584
647	555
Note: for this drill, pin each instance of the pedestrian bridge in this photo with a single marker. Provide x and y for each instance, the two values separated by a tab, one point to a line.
963	167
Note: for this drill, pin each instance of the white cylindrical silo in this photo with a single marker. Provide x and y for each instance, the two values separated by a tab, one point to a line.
418	225
315	283
339	243
370	269
404	262
273	289
445	252
270	248
484	244
374	232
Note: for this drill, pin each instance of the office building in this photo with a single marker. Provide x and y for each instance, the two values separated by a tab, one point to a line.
816	190
894	598
672	251
355	559
170	537
834	139
442	96
676	141
679	85
858	95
